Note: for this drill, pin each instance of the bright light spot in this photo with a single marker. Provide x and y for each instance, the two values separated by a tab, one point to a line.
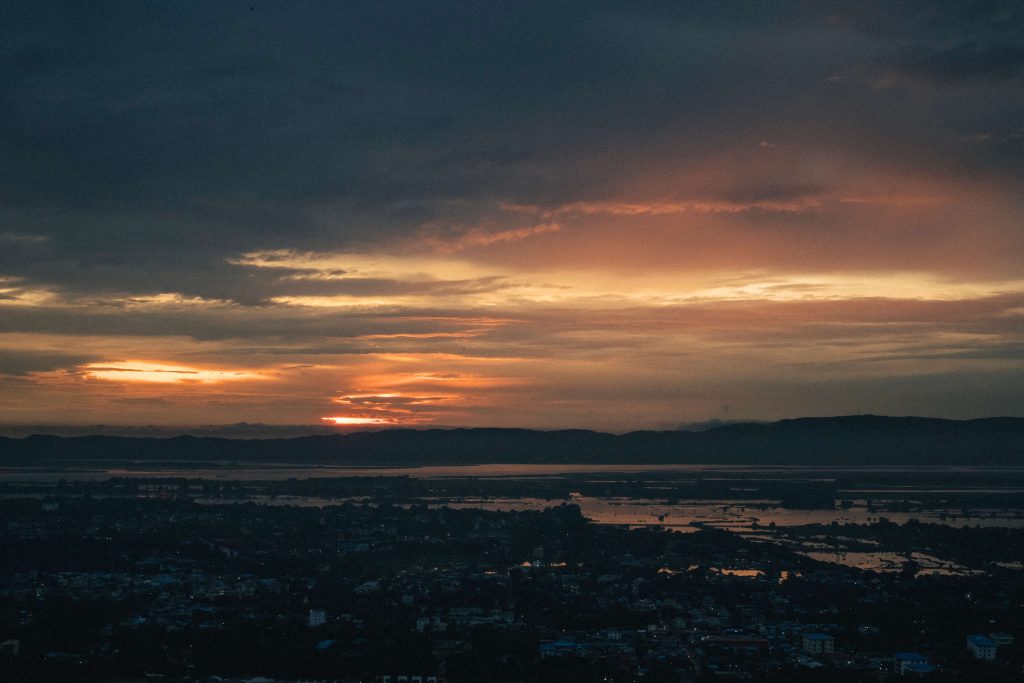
343	420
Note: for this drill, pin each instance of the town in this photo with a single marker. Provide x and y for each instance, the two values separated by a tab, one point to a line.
121	588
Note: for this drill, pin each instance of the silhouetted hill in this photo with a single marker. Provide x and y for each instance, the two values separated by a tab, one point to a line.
853	440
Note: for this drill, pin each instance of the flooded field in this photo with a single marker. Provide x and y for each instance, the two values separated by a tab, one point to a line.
671	496
788	507
738	515
890	562
88	471
734	515
756	520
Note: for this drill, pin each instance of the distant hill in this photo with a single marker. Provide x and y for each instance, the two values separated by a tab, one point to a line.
852	440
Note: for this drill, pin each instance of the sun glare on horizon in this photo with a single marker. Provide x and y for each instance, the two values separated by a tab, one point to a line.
346	421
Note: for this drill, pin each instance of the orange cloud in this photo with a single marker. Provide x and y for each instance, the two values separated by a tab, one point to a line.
164	373
349	421
392	408
480	237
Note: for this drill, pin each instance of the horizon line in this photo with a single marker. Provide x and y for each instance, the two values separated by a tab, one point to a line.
257	430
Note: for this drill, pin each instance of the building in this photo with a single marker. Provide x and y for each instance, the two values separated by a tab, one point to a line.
818	643
1001	639
368	587
317	617
918	669
444	648
981	646
424	624
905	663
740	643
562	647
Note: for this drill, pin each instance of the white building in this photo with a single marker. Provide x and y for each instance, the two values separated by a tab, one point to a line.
818	643
981	646
905	663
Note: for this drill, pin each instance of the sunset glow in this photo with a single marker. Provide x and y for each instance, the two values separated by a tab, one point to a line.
650	217
143	371
343	421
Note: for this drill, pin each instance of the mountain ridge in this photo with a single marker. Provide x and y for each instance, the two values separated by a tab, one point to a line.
842	440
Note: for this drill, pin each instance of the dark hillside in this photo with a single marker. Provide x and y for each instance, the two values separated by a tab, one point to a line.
853	440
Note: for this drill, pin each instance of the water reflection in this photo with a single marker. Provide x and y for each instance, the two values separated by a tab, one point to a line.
744	516
892	562
90	471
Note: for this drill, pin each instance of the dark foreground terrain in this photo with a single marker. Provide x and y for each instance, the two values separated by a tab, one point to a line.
129	588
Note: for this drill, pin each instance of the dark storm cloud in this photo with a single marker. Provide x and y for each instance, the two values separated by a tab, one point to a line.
967	61
148	142
19	363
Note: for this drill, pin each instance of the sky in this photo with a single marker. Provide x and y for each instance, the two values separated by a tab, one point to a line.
605	215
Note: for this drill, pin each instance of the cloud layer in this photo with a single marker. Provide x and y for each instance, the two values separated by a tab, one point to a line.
531	214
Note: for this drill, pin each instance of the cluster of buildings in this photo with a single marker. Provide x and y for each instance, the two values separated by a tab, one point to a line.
409	594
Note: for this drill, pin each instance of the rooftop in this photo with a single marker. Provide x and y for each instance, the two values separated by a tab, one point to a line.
909	657
981	640
818	636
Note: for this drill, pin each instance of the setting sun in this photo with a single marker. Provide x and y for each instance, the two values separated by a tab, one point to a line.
342	421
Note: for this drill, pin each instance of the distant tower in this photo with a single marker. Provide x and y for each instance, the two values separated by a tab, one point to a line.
317	617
